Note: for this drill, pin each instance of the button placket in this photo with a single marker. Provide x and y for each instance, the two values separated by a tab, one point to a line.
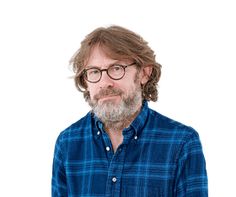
114	179
116	170
108	149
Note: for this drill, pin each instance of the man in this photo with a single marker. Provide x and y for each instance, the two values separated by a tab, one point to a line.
122	147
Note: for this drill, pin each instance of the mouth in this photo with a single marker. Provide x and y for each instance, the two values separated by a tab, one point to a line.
109	98
106	97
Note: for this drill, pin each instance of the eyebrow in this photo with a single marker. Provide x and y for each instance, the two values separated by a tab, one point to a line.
92	66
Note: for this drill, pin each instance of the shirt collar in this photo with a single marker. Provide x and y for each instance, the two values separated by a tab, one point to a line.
137	124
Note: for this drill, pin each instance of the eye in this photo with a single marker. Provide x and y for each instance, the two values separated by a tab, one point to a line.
116	68
92	71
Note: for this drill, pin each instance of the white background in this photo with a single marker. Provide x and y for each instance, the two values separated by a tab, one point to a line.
195	41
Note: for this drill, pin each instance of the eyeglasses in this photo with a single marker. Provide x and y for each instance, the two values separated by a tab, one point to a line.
115	72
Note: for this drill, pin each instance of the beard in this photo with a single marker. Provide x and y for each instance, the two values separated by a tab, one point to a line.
110	112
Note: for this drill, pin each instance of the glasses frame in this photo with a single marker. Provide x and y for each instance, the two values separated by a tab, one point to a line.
106	69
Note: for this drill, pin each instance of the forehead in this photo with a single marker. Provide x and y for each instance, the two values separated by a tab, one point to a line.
99	57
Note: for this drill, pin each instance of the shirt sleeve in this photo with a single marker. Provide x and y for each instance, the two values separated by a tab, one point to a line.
191	177
59	185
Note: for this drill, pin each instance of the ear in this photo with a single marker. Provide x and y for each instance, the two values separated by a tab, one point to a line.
145	74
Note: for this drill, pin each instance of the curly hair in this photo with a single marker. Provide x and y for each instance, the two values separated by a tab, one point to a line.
121	44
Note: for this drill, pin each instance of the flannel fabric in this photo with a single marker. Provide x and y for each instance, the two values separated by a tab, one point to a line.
158	157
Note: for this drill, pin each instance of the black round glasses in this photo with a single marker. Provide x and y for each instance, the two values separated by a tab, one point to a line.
115	72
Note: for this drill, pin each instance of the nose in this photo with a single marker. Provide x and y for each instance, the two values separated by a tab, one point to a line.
105	81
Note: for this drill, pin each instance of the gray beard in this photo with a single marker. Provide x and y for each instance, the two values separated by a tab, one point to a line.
115	115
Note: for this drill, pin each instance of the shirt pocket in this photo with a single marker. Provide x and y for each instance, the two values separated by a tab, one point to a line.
129	191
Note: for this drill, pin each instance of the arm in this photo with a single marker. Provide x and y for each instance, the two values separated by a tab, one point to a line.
191	176
59	186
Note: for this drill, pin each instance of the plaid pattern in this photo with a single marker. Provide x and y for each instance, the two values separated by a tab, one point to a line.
158	157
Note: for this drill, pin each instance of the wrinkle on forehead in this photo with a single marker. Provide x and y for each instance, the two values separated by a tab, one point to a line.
108	53
109	57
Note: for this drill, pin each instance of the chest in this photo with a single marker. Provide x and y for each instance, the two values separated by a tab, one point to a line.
138	168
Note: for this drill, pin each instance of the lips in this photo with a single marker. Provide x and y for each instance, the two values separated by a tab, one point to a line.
107	96
106	93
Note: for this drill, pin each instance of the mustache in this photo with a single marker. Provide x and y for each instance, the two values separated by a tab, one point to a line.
108	92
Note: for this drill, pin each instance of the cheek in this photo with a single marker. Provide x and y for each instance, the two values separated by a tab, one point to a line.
128	90
92	90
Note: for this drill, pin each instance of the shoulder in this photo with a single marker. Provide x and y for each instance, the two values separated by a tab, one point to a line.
171	127
77	129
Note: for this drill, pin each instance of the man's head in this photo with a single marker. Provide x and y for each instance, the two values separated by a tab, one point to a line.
115	67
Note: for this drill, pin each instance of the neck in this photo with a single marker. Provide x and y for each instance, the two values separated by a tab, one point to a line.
114	130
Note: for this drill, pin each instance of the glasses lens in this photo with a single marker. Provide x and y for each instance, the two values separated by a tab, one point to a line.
116	71
93	74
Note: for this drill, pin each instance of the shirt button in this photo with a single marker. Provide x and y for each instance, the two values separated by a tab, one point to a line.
98	133
135	137
107	148
114	179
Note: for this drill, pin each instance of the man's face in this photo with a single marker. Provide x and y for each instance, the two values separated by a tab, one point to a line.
114	100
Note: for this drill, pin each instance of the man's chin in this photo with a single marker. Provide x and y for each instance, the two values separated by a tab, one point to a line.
109	112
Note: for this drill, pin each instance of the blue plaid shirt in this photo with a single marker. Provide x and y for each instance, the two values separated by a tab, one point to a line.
158	157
